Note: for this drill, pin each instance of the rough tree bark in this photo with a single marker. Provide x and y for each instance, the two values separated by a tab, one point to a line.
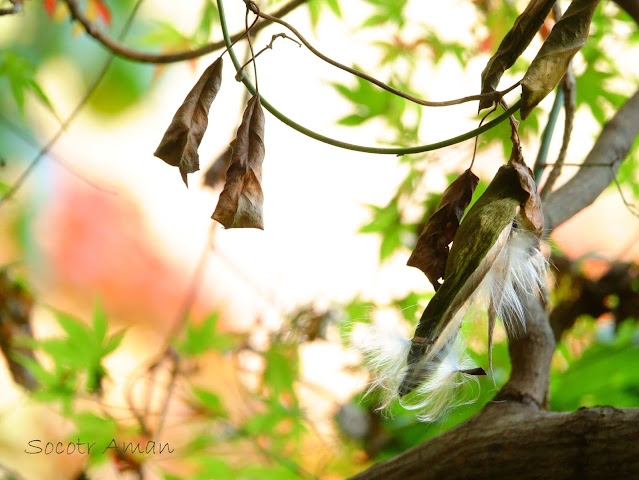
519	441
514	436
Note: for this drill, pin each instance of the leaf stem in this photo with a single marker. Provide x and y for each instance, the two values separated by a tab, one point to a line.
568	86
349	146
546	136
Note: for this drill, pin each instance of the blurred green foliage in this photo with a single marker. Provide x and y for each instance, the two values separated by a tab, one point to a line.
77	359
591	368
604	374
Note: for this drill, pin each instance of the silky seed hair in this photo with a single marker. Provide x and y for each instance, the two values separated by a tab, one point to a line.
385	348
519	267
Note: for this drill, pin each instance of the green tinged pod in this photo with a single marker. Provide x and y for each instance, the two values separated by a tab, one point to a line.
479	240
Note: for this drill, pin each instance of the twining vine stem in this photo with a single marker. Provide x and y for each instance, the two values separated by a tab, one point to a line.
131	54
144	57
568	86
350	146
250	44
472	162
546	136
267	47
482	96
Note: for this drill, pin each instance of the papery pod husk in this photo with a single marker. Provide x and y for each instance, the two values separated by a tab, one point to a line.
513	45
431	250
478	241
182	138
216	173
531	215
240	203
551	63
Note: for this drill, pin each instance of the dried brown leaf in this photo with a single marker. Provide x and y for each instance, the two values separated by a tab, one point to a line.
530	214
551	63
513	45
181	140
431	251
15	312
216	173
240	203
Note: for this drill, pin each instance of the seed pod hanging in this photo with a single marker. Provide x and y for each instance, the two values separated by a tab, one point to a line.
240	203
181	140
549	66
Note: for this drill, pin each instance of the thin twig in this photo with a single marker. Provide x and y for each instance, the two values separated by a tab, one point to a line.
33	143
96	82
350	146
546	136
632	208
244	393
250	42
514	124
128	396
182	316
173	374
128	53
484	96
246	32
472	162
569	88
287	463
189	299
267	47
585	165
196	282
11	472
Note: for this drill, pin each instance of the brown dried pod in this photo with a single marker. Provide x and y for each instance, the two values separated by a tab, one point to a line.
551	63
431	251
513	45
240	203
181	140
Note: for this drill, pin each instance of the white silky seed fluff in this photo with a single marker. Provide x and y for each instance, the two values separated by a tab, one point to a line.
520	266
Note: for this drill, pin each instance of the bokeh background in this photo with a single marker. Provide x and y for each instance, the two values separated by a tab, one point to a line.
267	385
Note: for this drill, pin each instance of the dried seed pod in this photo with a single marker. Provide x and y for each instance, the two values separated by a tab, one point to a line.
181	140
240	203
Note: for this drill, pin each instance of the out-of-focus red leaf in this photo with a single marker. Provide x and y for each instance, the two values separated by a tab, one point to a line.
49	6
103	12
